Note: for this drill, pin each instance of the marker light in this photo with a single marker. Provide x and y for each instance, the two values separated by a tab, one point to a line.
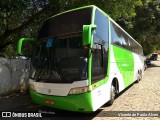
86	47
79	90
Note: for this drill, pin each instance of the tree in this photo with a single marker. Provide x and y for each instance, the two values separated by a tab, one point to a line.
147	26
22	18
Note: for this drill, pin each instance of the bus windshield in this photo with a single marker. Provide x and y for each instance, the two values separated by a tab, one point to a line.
59	56
59	60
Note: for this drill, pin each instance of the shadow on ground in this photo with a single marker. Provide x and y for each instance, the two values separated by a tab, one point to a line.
23	104
152	65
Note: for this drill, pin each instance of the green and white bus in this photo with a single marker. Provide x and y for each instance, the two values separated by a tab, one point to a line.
81	60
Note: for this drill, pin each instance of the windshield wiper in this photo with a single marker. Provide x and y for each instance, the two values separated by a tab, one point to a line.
54	60
41	71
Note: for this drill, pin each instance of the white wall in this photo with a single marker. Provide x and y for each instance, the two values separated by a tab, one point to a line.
14	75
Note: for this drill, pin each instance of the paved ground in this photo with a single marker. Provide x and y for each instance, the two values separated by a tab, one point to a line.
143	96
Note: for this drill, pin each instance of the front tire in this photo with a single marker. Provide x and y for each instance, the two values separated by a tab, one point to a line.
112	95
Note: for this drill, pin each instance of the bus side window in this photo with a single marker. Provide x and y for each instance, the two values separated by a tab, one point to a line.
97	62
100	46
115	35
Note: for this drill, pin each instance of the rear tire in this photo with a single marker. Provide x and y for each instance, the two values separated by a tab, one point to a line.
139	76
138	79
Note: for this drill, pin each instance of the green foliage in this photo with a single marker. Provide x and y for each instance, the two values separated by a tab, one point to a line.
19	18
147	26
22	18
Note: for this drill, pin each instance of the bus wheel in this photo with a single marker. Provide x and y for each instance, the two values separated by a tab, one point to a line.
140	74
112	95
138	78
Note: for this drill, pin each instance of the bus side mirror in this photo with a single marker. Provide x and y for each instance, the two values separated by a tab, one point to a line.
20	45
86	35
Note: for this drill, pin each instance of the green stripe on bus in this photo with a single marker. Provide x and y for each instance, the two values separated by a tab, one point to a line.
125	63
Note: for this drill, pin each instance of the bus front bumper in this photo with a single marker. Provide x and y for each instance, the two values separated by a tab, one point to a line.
78	102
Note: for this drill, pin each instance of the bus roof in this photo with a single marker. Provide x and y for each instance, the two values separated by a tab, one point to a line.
72	10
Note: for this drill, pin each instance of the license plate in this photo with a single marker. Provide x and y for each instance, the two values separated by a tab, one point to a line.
49	102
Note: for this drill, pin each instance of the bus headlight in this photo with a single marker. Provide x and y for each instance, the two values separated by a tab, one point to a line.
79	90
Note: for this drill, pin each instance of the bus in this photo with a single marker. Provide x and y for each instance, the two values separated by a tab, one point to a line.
81	60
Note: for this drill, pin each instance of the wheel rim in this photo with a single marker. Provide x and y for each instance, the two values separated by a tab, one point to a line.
113	93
